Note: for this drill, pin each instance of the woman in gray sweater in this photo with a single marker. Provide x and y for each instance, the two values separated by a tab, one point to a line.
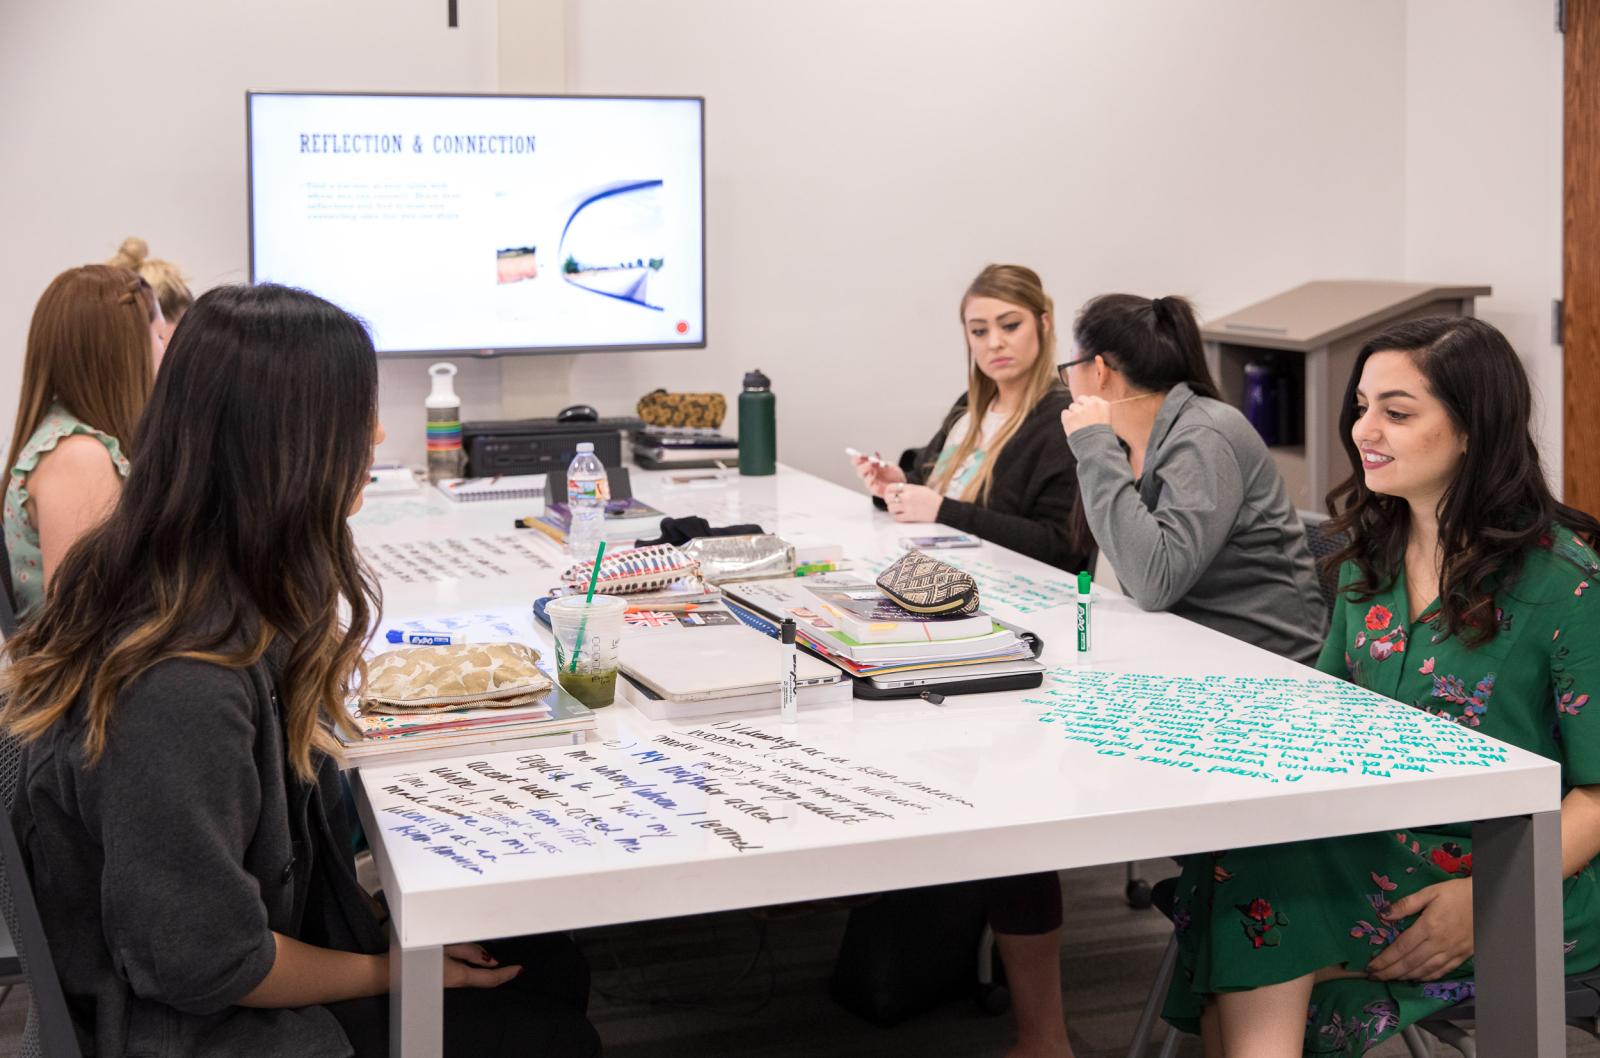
1180	492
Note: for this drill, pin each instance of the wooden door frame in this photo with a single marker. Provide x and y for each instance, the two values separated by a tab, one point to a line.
1580	255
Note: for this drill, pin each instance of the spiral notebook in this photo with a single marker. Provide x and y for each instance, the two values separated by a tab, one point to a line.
510	487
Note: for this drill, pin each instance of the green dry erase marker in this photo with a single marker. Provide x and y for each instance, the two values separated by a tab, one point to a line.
1085	599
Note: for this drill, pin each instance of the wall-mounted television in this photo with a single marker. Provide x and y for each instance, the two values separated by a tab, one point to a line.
486	224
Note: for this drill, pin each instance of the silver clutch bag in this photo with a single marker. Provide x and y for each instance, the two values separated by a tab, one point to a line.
724	558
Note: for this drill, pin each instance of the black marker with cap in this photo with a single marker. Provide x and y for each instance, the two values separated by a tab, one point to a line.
789	690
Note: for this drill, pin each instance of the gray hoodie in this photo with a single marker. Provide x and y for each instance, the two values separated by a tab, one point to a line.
1208	532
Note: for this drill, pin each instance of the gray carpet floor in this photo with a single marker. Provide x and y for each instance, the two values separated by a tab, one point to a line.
757	985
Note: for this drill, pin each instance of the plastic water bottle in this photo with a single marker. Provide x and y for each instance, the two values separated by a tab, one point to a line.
588	489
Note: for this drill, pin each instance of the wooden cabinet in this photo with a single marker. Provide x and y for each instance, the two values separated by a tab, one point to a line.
1314	331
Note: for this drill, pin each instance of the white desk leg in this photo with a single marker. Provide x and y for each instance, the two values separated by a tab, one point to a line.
416	1001
1516	912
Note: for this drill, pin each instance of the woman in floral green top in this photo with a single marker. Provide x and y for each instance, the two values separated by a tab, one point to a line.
1468	591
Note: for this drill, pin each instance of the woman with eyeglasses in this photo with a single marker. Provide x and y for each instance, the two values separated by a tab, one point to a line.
998	468
1179	489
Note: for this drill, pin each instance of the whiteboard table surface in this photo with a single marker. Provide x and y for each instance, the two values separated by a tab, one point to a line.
744	811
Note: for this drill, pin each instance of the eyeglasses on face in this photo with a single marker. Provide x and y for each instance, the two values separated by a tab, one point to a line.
1061	369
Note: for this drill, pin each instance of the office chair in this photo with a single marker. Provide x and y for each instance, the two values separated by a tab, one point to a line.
8	597
1322	544
48	1032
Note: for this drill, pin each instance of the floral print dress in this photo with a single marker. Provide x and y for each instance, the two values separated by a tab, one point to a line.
1253	917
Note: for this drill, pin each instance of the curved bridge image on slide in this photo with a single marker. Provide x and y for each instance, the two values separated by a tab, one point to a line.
611	249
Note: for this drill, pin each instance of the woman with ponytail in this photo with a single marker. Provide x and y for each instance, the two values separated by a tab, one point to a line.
997	468
172	292
1180	492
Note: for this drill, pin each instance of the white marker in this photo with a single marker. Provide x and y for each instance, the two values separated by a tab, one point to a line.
789	700
874	459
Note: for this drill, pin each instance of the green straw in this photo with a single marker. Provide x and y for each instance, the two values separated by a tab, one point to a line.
588	600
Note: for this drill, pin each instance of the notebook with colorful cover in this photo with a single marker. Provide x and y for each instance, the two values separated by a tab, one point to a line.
865	614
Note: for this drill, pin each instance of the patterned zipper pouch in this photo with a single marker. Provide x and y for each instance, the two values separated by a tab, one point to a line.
459	676
924	585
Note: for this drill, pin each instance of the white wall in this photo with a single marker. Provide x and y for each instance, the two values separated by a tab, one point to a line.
866	159
1483	172
127	119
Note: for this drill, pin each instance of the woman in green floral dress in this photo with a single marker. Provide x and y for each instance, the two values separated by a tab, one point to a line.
1469	591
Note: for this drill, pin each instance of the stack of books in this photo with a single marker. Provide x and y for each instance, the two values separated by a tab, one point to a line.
557	719
859	629
668	448
626	520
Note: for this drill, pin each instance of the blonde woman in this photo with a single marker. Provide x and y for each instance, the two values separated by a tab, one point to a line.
172	293
998	467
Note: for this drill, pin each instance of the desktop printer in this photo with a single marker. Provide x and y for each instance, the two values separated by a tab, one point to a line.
538	446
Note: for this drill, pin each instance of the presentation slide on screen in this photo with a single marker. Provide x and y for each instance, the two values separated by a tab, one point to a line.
485	223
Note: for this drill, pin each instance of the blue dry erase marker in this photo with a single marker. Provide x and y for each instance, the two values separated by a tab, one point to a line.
1085	599
422	639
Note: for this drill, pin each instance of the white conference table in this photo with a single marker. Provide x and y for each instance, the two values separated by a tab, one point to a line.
658	819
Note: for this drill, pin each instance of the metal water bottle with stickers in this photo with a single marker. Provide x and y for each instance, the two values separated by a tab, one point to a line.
445	458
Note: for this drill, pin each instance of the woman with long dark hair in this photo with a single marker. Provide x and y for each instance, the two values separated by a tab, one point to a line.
179	805
1466	590
1181	494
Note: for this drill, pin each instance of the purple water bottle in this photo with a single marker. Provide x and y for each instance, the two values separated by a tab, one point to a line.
1264	391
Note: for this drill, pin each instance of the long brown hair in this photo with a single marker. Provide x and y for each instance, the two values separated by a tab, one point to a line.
1498	505
1019	286
231	535
89	350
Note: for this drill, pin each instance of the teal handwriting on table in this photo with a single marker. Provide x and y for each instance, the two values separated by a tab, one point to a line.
1276	730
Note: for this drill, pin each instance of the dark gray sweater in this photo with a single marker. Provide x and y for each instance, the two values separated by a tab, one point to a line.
1208	531
163	869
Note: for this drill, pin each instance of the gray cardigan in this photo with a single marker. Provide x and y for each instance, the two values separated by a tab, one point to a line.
163	869
1208	532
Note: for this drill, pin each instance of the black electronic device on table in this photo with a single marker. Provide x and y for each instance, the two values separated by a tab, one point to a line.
539	446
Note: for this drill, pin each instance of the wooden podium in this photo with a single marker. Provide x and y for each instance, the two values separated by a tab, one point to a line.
1314	332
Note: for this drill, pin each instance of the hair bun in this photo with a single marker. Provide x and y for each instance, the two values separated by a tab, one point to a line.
1158	306
132	251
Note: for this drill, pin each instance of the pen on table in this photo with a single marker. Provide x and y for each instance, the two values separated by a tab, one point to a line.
808	568
789	702
421	639
666	607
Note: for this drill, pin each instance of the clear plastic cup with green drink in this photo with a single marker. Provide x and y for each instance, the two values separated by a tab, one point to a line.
587	634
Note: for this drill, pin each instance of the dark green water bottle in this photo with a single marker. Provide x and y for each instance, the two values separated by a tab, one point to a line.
758	426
